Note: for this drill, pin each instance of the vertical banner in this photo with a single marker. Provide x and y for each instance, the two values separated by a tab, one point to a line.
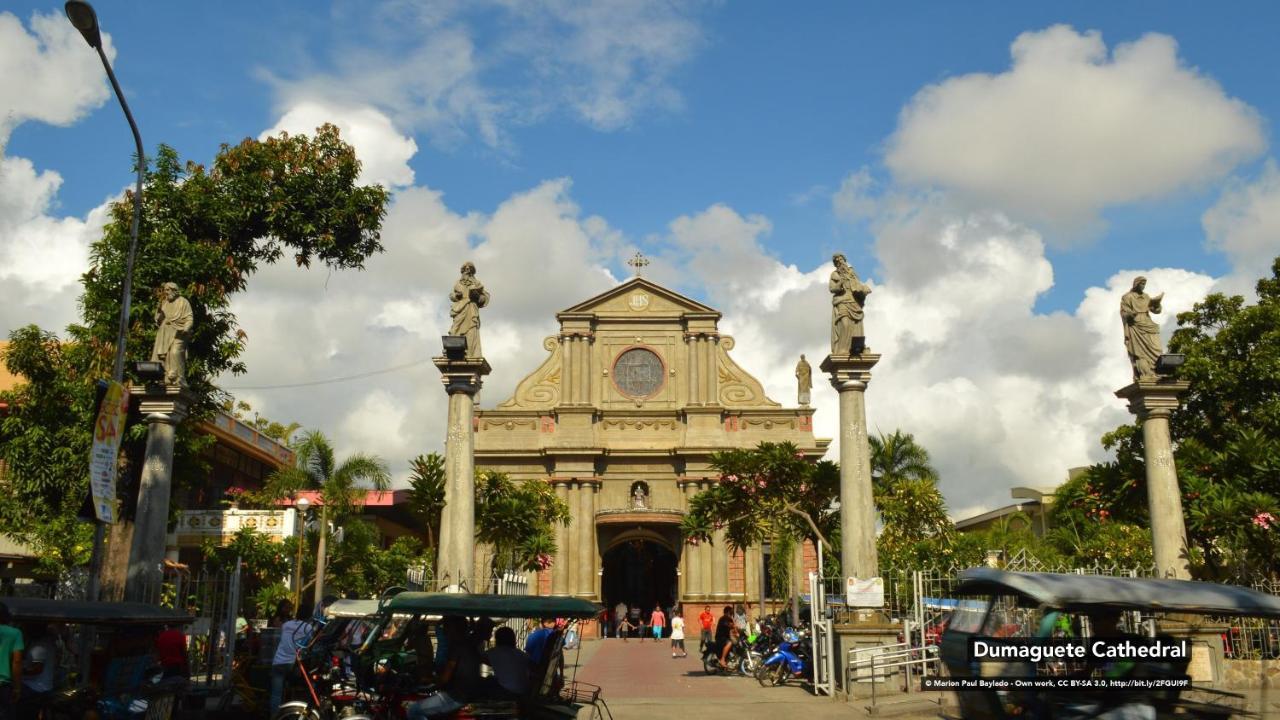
107	432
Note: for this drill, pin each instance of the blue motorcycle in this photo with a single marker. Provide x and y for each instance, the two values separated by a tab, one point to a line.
789	660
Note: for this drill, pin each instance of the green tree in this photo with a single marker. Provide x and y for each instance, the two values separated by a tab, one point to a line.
518	519
264	563
916	531
426	493
342	487
207	231
44	449
766	492
1227	446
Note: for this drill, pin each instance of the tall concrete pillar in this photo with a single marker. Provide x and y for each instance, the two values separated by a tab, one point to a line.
586	527
720	566
462	378
705	550
164	407
1152	402
560	568
849	376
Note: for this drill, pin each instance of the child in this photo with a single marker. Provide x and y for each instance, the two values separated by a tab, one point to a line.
625	627
677	634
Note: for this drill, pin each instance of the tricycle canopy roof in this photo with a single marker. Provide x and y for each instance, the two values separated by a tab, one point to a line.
83	612
1091	592
351	608
477	604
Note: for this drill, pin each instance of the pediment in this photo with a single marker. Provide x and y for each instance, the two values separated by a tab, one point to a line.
639	296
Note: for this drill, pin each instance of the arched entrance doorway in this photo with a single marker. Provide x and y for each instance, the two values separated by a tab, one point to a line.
640	573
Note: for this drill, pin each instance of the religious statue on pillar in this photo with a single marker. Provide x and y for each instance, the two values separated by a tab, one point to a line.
468	297
1141	333
848	296
804	381
175	322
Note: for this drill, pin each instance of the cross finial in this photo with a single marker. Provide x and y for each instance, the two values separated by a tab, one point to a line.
638	263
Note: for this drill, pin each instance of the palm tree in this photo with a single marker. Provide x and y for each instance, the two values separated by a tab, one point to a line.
426	493
341	485
898	457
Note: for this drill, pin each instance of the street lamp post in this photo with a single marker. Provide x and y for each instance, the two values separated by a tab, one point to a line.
302	504
85	20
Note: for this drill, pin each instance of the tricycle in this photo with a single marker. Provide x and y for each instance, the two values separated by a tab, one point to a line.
1009	608
121	679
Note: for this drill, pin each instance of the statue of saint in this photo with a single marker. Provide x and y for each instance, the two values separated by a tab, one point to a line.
175	320
639	499
848	295
468	297
1141	333
804	380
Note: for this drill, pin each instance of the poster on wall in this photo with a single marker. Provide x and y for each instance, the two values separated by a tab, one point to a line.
108	430
867	593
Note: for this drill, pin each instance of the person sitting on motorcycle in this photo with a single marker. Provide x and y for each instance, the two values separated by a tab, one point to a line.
725	631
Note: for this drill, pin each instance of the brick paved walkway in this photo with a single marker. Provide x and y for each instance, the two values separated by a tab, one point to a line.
643	681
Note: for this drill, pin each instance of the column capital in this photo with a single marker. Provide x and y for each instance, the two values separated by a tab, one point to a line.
561	482
464	375
1153	399
849	372
163	403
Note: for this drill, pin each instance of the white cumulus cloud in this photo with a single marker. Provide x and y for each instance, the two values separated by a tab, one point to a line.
383	152
1245	225
1070	129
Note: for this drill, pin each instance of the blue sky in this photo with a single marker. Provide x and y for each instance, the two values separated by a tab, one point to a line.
718	136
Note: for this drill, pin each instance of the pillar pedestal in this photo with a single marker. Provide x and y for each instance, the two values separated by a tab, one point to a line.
1152	402
849	376
462	378
163	406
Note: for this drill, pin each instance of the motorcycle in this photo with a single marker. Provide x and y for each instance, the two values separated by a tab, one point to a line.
789	660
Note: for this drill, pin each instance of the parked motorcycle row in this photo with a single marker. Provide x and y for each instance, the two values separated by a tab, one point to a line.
775	656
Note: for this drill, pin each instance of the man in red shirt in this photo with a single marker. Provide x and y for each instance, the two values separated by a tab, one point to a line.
707	620
171	649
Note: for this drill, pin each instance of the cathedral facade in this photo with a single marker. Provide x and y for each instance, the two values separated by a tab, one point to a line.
638	389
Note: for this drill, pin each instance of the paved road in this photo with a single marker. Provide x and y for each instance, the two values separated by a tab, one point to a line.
641	680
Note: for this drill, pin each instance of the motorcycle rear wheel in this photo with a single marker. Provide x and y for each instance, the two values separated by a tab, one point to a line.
711	664
296	711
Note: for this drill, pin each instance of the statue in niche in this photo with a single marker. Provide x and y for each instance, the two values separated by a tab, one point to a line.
848	296
175	322
1141	333
468	297
804	381
639	497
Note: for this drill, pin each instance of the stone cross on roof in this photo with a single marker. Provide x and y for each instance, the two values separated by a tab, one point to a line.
638	263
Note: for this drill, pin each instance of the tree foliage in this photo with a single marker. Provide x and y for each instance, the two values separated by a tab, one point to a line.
916	530
518	519
426	493
1227	447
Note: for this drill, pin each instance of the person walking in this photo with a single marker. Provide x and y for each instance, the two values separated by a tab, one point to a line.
11	648
677	634
706	620
294	634
657	622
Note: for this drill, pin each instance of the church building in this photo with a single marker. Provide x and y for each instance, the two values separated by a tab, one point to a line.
637	391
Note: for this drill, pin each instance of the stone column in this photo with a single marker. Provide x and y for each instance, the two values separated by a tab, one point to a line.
585	538
693	585
560	570
720	566
709	370
585	367
691	340
849	376
462	378
164	407
1152	402
705	550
